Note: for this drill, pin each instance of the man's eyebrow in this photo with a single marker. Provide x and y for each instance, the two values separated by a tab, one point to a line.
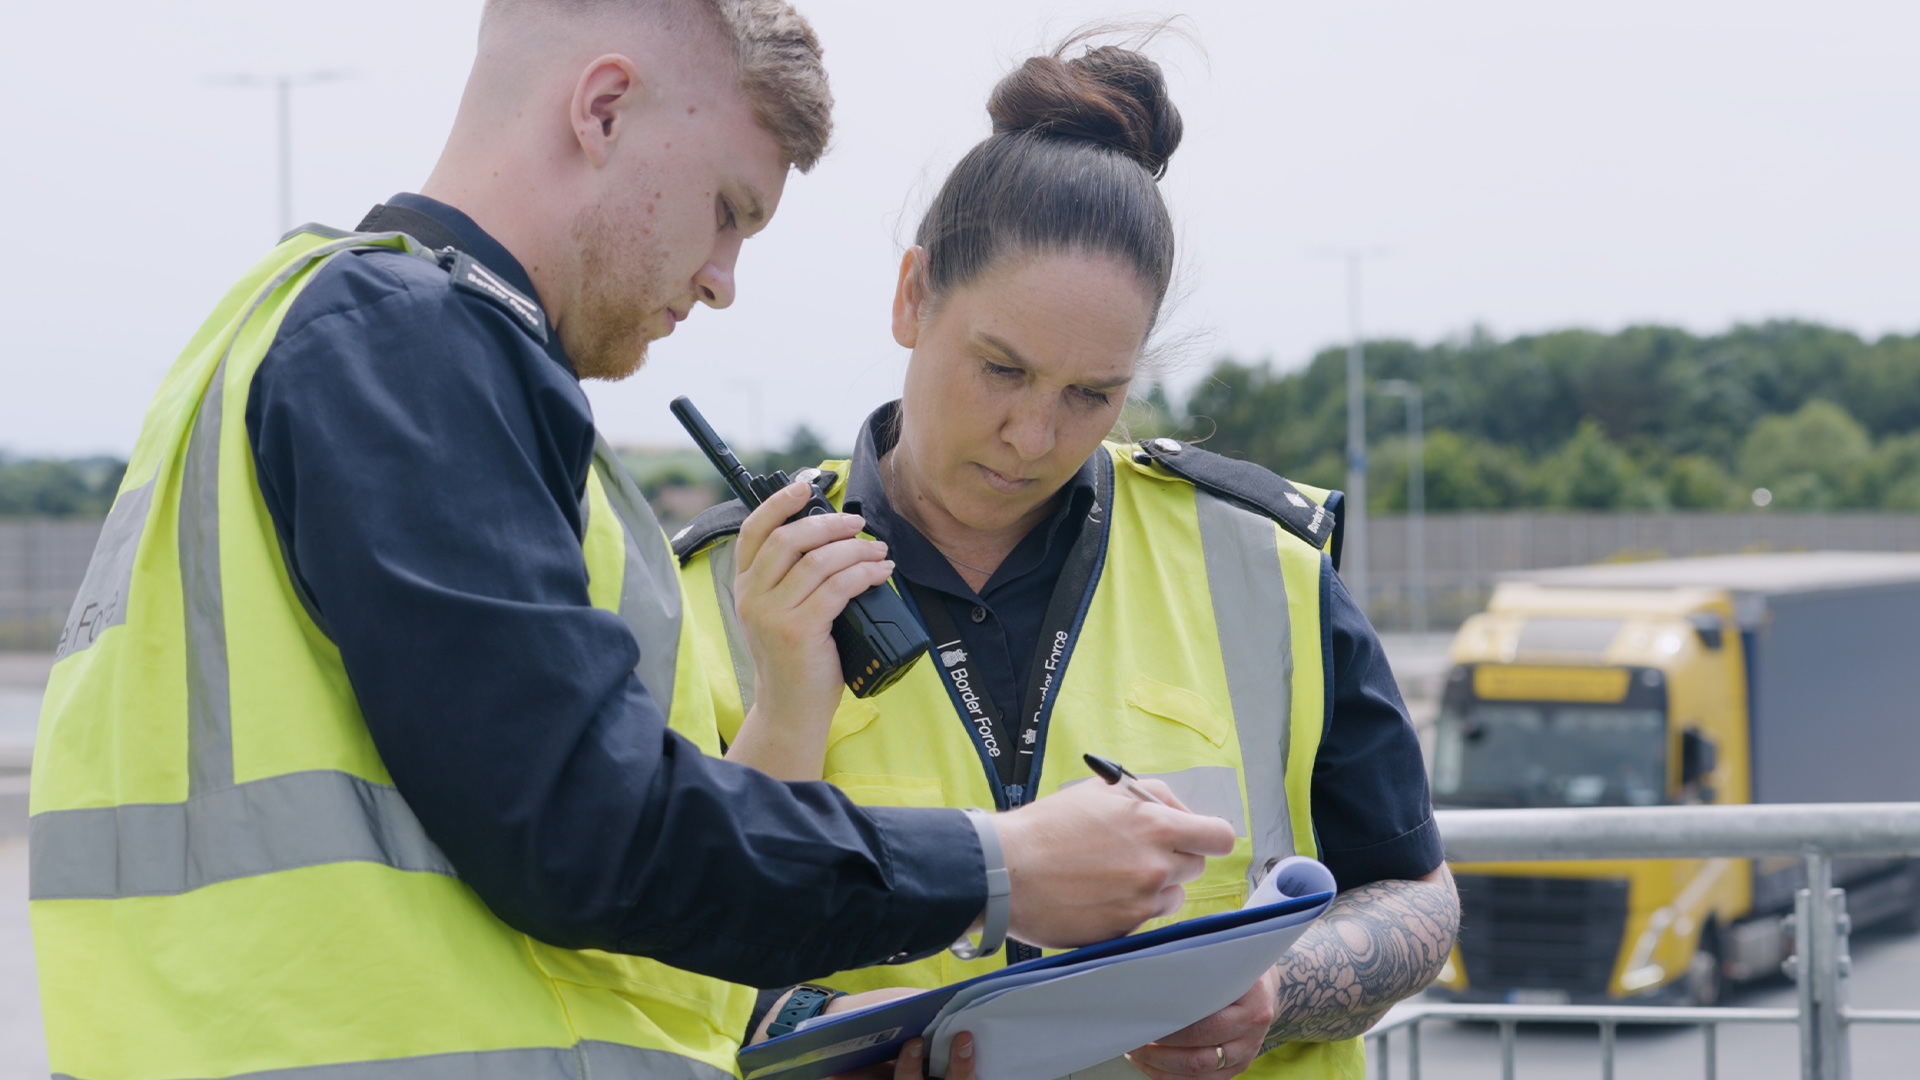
1019	361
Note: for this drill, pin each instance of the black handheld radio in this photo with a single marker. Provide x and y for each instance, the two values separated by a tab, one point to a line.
878	638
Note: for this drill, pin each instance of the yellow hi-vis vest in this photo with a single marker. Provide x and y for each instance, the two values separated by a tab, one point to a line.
1198	662
224	880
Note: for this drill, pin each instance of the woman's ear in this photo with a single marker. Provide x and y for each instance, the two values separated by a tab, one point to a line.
603	101
910	297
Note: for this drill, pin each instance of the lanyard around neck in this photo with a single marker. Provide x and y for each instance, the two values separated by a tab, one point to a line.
1012	748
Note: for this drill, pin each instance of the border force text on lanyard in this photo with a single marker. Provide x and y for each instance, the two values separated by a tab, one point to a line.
1012	748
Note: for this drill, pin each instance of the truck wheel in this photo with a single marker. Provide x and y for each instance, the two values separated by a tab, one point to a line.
1703	979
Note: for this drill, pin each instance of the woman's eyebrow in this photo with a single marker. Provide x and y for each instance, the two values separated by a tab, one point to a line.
1016	360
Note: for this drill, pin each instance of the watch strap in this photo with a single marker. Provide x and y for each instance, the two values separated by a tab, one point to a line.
805	1003
993	929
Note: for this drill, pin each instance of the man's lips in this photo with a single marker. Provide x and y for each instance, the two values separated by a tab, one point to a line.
674	318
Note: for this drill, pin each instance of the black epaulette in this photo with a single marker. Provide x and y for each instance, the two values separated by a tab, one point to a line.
470	276
709	525
1244	482
726	518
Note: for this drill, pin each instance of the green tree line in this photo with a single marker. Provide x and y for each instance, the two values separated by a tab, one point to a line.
39	487
1649	418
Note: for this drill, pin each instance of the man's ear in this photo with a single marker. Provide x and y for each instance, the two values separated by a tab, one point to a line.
910	299
603	101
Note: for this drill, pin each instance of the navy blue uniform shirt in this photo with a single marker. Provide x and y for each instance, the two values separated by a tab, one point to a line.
423	458
1370	805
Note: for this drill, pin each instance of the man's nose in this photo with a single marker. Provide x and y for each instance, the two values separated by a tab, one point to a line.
713	285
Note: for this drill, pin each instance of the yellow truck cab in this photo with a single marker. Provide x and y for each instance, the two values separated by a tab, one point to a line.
1780	678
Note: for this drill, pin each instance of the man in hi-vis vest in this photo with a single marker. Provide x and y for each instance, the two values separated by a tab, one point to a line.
376	745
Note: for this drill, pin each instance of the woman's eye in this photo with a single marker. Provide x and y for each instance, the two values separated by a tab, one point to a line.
1095	397
726	214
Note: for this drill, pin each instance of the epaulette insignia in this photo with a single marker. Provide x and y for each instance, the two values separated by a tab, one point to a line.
469	276
1251	485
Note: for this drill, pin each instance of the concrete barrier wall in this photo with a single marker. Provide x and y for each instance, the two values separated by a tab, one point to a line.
43	561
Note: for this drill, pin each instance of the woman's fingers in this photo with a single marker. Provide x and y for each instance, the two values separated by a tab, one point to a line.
1217	1046
960	1063
911	1064
768	516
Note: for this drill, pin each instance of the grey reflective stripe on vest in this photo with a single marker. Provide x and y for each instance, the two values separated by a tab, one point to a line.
259	827
586	1061
222	831
102	601
720	561
650	582
209	712
1256	644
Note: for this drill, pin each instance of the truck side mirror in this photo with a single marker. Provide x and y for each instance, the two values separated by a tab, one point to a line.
1698	756
1708	627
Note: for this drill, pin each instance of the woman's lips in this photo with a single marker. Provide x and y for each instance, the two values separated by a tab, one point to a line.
1003	484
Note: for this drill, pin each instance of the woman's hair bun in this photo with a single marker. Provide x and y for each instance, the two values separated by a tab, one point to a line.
1112	95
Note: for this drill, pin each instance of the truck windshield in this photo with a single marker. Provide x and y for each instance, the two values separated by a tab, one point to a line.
1493	754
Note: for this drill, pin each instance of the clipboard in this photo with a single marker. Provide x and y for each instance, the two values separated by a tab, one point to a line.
833	1044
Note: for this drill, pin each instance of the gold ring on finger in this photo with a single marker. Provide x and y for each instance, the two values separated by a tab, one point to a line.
1220	1058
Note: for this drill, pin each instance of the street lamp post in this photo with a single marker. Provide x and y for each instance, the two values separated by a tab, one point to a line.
1353	563
1416	497
283	101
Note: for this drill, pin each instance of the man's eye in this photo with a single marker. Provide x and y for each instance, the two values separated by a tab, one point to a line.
999	370
727	218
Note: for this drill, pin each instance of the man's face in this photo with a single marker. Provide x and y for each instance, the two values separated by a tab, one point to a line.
699	176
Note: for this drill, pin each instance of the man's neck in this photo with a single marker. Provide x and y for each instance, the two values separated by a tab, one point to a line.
486	196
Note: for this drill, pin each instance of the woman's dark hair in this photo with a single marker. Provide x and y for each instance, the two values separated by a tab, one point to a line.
1072	165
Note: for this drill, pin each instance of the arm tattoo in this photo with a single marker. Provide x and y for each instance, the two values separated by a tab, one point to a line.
1376	944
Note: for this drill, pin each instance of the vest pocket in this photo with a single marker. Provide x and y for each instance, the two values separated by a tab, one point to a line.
1180	706
877	790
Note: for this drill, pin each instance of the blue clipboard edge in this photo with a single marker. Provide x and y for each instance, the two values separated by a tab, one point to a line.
834	1046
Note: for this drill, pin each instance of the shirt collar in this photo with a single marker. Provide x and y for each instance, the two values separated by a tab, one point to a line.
867	494
487	251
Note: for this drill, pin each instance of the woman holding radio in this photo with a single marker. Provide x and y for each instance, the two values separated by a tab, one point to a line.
1156	603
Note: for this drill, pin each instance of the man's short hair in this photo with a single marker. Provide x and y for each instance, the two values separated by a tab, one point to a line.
776	53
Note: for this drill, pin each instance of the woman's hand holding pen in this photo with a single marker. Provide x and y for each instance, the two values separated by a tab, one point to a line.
792	580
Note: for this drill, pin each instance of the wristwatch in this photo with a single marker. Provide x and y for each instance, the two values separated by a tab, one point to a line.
805	1003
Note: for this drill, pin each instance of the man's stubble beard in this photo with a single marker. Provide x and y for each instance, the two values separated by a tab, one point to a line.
620	292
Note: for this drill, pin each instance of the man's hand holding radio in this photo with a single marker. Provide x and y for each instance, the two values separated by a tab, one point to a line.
791	581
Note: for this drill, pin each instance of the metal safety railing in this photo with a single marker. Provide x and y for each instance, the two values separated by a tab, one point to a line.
1820	968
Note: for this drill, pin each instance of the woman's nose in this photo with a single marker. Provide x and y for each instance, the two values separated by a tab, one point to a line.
1030	431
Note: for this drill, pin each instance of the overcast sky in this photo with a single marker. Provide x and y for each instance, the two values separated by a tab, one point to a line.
1528	165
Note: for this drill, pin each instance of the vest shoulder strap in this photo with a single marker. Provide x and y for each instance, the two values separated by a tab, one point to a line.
724	520
1250	485
713	523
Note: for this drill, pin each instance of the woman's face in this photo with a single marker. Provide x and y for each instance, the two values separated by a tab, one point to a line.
1014	380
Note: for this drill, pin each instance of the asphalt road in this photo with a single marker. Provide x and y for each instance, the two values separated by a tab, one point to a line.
1887	971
